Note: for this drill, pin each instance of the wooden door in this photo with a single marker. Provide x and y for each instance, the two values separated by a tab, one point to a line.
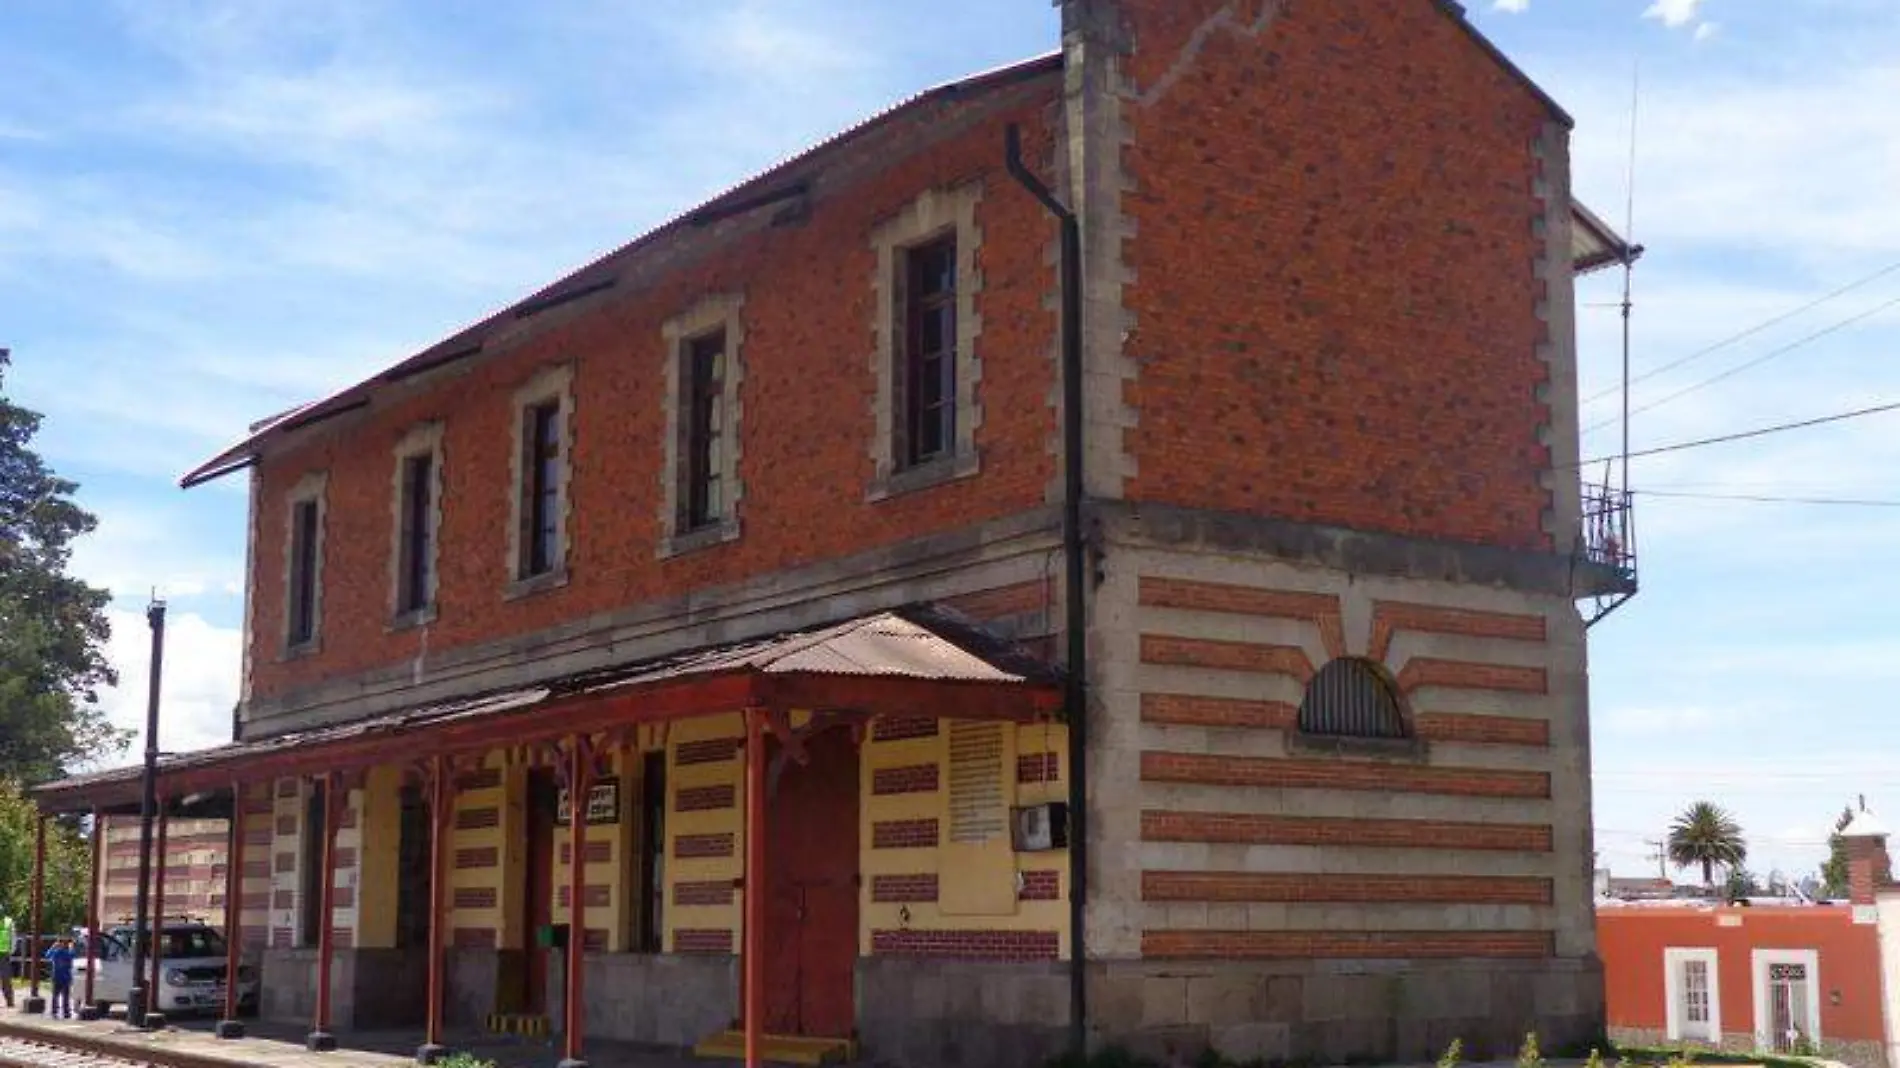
542	800
812	912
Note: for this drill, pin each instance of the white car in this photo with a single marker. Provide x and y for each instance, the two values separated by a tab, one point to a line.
191	973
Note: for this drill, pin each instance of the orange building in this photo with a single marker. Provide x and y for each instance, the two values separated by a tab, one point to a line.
1791	978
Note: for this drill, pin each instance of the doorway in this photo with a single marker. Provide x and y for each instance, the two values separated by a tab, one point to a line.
413	877
812	884
543	797
1787	999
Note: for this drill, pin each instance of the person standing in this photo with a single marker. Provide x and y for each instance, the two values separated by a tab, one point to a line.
61	958
6	958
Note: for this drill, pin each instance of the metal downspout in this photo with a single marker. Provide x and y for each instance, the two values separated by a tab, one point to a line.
1075	675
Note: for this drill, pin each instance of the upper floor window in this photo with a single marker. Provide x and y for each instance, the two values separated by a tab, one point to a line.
1352	698
303	588
418	502
540	487
930	350
927	408
538	544
703	409
705	365
418	517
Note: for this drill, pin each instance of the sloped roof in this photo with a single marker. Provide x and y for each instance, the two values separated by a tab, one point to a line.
923	643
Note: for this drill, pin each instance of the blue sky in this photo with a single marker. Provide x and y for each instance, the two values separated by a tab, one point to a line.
212	211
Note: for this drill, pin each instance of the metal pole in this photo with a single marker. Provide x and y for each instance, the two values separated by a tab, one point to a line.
231	1026
753	962
320	1039
441	819
579	785
34	1003
154	1002
88	1010
148	807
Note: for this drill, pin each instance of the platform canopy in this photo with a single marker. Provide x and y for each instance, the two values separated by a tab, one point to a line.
919	660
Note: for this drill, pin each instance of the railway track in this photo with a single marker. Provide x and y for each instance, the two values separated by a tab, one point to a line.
48	1053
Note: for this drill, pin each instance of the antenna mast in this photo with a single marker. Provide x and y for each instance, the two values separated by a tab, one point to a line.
1629	264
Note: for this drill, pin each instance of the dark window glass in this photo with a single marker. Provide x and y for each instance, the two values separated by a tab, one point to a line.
929	371
303	572
703	501
1350	698
418	506
540	487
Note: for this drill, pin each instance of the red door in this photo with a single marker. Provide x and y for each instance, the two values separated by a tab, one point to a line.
812	909
542	800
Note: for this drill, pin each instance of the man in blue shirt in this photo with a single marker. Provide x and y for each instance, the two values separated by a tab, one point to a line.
61	958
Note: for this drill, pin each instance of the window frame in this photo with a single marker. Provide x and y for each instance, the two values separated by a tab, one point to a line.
947	214
540	495
303	566
917	304
1376	674
702	400
1676	1009
416	522
682	530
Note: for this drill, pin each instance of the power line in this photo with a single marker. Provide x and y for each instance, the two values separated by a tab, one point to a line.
1750	332
1762	498
1832	328
1743	435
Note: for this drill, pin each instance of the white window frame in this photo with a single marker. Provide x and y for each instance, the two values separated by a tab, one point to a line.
1759	964
1674	957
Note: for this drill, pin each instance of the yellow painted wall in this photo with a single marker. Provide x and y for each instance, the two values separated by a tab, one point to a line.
726	821
378	851
976	885
464	839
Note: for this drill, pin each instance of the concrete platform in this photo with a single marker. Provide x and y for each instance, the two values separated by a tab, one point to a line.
191	1044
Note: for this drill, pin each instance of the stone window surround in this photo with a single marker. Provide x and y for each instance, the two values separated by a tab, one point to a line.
424	439
313	487
934	214
709	314
551	383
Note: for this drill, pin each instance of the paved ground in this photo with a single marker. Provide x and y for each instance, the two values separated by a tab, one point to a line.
280	1046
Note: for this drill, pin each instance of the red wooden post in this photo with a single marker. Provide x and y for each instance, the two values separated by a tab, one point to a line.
34	1004
441	820
153	1001
753	997
320	1039
231	1026
579	784
92	903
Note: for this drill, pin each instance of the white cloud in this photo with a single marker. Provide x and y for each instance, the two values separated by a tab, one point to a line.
200	685
1706	30
1649	721
1515	7
1673	13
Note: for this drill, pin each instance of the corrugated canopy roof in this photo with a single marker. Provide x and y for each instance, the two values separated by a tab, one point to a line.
920	643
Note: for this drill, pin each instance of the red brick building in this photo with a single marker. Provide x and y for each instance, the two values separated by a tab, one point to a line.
755	529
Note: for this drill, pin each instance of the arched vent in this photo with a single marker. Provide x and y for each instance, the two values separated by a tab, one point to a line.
1351	698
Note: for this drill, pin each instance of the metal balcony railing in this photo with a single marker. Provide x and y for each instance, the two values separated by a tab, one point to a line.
1609	548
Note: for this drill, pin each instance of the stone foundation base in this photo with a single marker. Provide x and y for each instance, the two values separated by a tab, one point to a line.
944	1014
370	989
1858	1053
652	999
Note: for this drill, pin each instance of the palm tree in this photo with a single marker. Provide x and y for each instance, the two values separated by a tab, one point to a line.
1707	835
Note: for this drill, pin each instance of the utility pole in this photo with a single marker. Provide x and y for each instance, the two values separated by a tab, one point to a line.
135	1002
1660	856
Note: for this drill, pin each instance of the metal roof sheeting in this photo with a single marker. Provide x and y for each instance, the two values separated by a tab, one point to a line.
925	641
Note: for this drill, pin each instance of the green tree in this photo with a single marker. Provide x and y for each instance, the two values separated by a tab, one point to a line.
53	627
1706	835
68	865
1834	872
